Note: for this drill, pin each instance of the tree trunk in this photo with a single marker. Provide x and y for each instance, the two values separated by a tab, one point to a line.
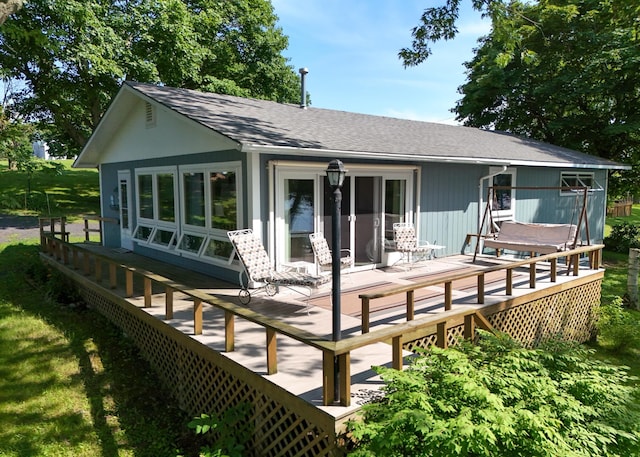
8	7
632	277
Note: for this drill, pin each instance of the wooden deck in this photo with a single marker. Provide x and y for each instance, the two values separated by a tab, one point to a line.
300	365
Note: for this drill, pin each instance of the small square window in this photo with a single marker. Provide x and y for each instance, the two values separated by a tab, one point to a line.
163	237
218	249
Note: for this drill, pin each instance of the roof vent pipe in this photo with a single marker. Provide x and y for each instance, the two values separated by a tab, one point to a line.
303	91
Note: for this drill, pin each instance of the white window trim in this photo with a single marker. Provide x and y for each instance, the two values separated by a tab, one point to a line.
156	223
509	214
578	175
207	232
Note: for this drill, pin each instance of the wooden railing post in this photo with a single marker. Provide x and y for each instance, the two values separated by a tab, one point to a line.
328	368
168	303
448	295
344	364
410	305
441	335
197	316
128	280
272	351
532	275
113	275
86	230
554	270
481	288
97	261
229	332
85	261
509	282
365	315
469	327
147	292
396	348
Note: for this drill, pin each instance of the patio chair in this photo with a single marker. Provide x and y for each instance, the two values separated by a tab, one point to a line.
404	235
322	254
257	269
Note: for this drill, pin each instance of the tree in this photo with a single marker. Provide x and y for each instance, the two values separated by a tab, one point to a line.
561	71
499	399
567	73
8	7
73	55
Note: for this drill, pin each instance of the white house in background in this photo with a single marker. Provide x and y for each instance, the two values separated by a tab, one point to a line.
41	150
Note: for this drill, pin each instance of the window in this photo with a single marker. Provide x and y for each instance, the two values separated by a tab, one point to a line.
156	195
503	197
210	196
573	179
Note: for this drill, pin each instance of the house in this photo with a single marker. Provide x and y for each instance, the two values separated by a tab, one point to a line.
180	168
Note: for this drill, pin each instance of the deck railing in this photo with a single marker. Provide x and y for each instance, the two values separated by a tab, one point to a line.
332	351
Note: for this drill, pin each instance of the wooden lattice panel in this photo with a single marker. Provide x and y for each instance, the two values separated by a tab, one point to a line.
202	385
568	315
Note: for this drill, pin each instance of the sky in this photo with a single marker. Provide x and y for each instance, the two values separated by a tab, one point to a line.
350	48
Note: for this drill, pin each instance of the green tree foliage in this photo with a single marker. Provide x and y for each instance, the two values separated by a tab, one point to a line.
498	399
565	72
560	71
72	56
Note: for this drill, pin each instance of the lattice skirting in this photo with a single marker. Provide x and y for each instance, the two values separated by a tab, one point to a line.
204	381
568	314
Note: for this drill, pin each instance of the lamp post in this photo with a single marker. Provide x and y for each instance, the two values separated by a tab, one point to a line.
335	175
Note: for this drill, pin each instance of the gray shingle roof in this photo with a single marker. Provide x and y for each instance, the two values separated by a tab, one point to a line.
260	123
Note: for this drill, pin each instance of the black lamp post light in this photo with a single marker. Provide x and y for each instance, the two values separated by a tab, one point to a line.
335	174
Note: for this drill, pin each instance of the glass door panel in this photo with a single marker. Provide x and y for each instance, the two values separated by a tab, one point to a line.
395	200
345	231
298	219
368	224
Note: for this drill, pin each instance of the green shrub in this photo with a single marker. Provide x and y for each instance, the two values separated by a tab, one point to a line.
230	432
618	327
498	399
623	237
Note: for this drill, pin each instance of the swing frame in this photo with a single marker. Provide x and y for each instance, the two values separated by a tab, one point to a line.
582	218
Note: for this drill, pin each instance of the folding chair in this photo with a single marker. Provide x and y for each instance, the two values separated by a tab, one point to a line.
404	235
322	254
257	269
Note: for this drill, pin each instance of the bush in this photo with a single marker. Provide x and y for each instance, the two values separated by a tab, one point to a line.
618	327
228	434
623	237
498	399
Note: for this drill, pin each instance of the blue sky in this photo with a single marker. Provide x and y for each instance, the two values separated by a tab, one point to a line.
350	48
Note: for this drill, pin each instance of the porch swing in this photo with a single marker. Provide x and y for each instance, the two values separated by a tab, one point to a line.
535	238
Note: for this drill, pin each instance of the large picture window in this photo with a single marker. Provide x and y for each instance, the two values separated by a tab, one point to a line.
211	202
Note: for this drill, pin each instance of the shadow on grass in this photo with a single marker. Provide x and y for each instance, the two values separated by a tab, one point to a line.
129	407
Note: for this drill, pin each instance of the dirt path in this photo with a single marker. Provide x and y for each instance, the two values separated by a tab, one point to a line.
16	229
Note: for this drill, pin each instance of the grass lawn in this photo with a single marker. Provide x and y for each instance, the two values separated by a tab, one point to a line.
70	383
73	193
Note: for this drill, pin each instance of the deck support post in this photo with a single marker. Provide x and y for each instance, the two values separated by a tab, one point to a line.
344	376
328	367
98	269
532	275
508	288
554	270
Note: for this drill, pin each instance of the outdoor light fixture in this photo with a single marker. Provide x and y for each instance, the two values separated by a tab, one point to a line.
335	175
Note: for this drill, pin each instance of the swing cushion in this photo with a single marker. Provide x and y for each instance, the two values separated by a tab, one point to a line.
530	237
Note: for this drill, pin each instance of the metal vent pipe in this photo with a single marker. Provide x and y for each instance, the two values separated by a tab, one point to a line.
303	91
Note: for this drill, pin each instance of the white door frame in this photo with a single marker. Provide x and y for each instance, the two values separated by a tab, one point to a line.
124	205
